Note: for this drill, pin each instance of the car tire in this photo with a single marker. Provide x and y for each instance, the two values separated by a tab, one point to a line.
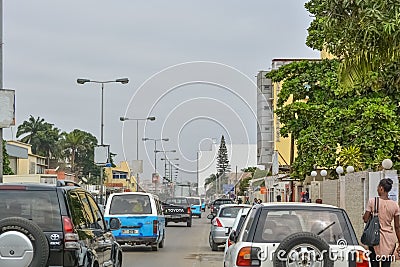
161	244
213	245
189	223
300	243
25	231
200	216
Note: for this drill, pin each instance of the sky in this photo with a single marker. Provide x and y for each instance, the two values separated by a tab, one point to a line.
190	64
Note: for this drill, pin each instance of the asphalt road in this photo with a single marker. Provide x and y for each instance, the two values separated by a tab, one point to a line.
184	247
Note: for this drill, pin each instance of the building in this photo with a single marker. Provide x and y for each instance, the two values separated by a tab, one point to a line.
119	178
29	167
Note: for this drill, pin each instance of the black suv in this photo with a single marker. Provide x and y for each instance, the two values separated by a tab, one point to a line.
54	225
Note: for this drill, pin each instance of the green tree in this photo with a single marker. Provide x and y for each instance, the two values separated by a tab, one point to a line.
41	135
222	158
364	34
78	150
320	121
6	161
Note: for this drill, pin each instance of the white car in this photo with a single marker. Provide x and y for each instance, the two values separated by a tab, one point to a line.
237	225
222	224
296	234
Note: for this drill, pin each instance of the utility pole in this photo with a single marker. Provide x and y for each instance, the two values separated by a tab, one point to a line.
1	86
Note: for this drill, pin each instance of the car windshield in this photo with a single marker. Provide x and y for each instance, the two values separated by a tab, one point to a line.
194	201
39	206
177	201
275	225
130	204
229	212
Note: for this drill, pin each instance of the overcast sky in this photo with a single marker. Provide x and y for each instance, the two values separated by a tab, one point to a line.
191	64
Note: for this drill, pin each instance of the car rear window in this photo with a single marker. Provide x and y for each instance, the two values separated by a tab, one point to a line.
39	206
275	225
177	201
229	212
130	204
223	201
194	201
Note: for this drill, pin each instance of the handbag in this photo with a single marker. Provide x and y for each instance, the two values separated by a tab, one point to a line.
371	235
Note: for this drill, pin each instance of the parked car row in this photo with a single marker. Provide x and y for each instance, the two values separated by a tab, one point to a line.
286	234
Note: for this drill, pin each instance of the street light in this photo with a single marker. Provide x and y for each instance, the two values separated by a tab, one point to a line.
137	140
155	148
83	81
165	168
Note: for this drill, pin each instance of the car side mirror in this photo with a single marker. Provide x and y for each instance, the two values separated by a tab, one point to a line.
115	224
233	236
210	216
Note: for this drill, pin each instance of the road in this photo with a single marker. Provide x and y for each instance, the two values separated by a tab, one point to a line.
184	247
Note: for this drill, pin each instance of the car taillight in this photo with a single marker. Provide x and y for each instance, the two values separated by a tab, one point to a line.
229	242
361	259
155	227
188	210
71	239
217	223
247	256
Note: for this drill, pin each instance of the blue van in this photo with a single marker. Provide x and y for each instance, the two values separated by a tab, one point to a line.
141	216
195	205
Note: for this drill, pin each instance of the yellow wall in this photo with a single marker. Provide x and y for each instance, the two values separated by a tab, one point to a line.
282	145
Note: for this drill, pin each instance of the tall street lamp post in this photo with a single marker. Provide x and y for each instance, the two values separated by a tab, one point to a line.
83	81
155	149
137	140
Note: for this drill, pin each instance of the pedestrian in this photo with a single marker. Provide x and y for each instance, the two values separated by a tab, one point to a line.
239	201
278	198
247	201
259	201
388	211
255	201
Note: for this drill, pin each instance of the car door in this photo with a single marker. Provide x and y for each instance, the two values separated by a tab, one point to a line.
99	227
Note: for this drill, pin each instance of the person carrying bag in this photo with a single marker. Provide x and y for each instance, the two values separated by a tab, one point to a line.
387	211
371	234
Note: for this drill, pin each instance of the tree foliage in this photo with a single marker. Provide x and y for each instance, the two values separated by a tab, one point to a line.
364	34
222	158
322	117
6	161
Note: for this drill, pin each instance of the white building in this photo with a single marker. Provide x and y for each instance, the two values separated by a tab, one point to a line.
240	156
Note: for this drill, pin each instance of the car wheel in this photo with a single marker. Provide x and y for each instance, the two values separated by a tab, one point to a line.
213	245
305	249
23	243
200	216
161	244
154	247
189	223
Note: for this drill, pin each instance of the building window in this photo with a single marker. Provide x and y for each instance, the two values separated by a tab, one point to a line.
120	175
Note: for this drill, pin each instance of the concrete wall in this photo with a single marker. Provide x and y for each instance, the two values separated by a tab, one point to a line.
330	192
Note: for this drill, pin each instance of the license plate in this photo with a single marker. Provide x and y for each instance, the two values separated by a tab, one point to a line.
130	231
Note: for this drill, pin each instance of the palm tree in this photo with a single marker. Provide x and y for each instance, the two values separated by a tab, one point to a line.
73	142
31	129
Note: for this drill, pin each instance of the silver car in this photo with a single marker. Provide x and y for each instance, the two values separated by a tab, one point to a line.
222	223
237	225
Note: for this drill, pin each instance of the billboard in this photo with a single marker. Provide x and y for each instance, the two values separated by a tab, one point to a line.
7	108
155	178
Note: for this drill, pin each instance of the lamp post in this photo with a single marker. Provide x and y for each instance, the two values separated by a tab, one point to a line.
155	148
165	168
83	81
137	140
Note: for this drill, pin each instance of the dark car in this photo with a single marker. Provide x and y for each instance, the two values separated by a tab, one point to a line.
218	202
54	225
177	209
